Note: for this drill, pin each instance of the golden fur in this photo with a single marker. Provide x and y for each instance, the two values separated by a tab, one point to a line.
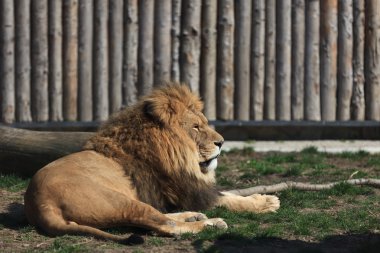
155	157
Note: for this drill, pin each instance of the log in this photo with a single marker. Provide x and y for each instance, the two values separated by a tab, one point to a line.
24	152
55	61
225	59
208	58
298	59
39	60
357	101
270	61
70	59
283	64
175	40
243	10
7	63
100	61
85	40
345	43
145	48
162	38
372	60
130	52
190	44
312	89
115	54
258	61
329	39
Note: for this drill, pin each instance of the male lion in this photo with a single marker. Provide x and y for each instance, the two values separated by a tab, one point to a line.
147	161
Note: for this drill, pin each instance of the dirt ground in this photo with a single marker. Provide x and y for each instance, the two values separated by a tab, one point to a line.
17	236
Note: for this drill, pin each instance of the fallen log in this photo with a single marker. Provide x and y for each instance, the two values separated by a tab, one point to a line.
23	152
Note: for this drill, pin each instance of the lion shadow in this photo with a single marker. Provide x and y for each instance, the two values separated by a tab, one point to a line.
234	243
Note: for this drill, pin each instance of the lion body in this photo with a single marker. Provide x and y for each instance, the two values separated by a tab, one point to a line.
155	157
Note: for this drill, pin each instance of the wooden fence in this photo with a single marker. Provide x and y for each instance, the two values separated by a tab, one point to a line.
80	60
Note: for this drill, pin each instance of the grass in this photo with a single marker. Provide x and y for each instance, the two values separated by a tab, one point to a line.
307	216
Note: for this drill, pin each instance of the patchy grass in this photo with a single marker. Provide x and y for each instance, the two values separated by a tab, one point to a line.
344	217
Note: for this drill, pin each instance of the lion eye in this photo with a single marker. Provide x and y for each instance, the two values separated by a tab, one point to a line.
196	127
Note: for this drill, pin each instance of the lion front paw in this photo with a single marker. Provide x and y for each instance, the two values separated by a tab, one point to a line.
264	203
216	222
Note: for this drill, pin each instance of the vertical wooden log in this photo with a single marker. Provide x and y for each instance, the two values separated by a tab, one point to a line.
258	60
190	43
357	102
312	89
39	60
130	52
162	40
225	59
328	52
22	60
85	42
242	56
145	49
70	59
208	58
100	58
283	64
115	54
345	43
298	59
7	63
372	59
176	33
55	60
270	61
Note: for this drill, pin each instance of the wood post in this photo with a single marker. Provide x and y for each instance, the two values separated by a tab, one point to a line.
258	60
312	89
175	40
39	57
225	59
298	59
270	61
22	60
162	41
283	64
345	43
100	61
357	102
130	52
115	54
208	58
242	59
7	62
85	49
329	52
372	60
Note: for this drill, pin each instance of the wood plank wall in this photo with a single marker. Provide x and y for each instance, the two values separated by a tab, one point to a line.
81	60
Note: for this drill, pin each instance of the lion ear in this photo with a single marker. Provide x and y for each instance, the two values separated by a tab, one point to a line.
158	109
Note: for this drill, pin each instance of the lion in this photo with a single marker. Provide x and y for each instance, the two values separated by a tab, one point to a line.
151	165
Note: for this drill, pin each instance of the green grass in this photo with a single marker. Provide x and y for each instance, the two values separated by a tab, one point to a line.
13	183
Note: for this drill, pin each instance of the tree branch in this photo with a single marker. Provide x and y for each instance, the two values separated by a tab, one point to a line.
302	186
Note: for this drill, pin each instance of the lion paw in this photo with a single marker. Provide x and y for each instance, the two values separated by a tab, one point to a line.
217	223
196	217
264	203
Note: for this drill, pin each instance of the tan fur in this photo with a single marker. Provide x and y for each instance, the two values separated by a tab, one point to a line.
155	157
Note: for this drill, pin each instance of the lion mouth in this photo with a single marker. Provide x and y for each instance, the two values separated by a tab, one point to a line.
207	163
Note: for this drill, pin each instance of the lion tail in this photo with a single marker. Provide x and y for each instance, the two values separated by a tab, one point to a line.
55	225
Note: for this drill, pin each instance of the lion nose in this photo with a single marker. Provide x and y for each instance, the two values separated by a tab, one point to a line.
219	143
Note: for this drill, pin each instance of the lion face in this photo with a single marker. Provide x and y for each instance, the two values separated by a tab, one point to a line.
208	141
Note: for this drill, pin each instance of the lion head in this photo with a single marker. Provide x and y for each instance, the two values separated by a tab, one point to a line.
162	140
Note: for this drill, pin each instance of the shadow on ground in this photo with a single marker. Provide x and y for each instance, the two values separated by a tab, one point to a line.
361	243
